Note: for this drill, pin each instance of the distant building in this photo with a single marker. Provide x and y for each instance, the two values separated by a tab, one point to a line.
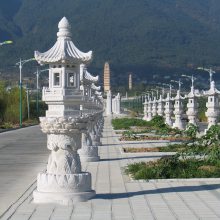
107	80
130	81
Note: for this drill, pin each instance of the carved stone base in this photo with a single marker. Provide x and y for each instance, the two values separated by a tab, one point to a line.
63	189
89	154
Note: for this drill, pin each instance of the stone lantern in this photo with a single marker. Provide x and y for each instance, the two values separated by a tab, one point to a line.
178	111
89	151
63	181
109	103
149	109
192	105
160	106
168	110
212	105
154	107
116	104
145	108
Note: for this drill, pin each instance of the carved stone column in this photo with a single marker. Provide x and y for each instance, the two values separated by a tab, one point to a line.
63	182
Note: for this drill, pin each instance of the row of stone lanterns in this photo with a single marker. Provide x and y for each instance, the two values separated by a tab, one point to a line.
164	107
73	122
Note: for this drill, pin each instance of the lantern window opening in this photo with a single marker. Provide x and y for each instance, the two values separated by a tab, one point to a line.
71	79
56	79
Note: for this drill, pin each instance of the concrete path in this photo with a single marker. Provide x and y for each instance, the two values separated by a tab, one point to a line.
23	153
119	198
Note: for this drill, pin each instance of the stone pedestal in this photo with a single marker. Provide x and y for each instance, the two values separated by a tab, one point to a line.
63	182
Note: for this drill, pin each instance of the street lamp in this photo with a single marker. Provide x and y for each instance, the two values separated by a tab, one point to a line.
37	73
179	83
6	42
190	77
20	64
210	71
170	86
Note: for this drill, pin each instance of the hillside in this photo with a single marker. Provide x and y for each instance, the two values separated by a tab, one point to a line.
148	37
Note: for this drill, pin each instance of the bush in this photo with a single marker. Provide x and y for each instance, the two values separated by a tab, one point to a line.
158	122
191	131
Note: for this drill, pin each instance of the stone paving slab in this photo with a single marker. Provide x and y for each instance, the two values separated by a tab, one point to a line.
118	198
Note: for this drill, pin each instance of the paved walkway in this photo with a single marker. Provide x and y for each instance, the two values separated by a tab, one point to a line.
119	198
22	155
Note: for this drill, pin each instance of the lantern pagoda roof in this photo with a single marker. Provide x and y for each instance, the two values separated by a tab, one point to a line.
64	50
178	96
90	77
212	90
94	87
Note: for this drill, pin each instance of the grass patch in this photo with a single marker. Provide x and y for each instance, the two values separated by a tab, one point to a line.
171	167
126	123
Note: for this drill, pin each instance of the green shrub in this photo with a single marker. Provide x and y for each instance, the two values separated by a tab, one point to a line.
158	121
191	131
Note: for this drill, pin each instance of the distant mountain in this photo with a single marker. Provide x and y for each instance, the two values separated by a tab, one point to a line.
152	38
